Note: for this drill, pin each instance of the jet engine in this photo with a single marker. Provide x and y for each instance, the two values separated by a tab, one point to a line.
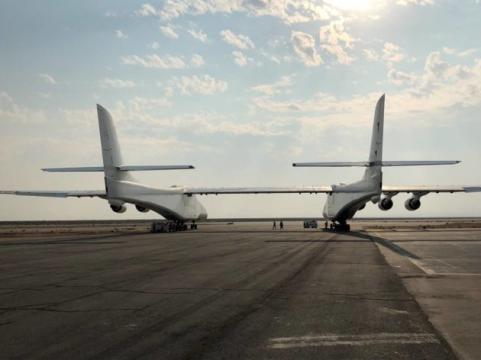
141	208
412	204
118	208
385	204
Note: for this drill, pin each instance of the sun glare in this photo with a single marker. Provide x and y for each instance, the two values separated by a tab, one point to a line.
357	5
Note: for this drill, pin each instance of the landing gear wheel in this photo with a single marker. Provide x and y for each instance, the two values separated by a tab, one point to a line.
342	227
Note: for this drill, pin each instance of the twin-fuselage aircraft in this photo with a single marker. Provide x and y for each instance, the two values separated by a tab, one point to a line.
180	204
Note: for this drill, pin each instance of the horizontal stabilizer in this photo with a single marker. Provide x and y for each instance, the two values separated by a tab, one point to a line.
420	163
374	163
386	189
332	164
76	169
120	168
154	167
58	194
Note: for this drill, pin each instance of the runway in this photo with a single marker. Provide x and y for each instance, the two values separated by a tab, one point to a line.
241	291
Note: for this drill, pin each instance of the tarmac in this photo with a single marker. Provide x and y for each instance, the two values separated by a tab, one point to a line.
387	290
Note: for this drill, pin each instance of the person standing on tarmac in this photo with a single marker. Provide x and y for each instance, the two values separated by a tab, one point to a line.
274	226
281	225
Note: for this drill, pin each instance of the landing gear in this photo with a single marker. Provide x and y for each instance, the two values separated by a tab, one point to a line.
171	226
337	226
343	227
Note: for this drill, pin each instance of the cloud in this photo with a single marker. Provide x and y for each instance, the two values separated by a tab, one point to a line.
120	35
459	53
146	10
116	83
335	40
49	79
392	53
197	60
142	104
168	31
400	77
240	59
305	47
150	114
274	88
110	13
290	12
154	61
166	62
155	45
238	40
415	2
438	73
198	35
439	87
205	85
370	54
11	112
80	117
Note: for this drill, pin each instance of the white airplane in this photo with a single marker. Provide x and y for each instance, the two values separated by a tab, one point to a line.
180	205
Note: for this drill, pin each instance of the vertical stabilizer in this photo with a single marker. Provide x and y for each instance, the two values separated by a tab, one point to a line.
375	154
373	173
111	155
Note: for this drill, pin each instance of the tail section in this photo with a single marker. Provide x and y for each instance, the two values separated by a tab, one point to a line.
111	154
375	153
373	173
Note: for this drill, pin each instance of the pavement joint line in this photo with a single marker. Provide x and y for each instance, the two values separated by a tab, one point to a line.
457	274
352	340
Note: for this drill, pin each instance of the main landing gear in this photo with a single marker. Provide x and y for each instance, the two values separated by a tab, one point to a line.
340	226
171	226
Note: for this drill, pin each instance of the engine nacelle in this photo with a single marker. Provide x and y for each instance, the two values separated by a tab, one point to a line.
385	204
118	208
141	208
412	204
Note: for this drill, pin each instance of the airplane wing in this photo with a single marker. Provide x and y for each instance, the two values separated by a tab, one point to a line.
327	189
429	188
59	194
258	190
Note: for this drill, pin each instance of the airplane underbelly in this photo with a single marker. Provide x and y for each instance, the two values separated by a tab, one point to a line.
179	207
171	204
343	206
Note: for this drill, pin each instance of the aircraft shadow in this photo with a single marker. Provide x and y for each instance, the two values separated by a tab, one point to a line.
386	243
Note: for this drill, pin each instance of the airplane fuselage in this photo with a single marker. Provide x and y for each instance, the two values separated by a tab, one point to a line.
346	199
343	206
171	203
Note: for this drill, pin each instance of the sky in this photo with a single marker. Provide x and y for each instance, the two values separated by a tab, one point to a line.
240	89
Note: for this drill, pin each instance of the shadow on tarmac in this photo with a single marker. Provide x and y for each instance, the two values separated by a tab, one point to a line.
386	243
